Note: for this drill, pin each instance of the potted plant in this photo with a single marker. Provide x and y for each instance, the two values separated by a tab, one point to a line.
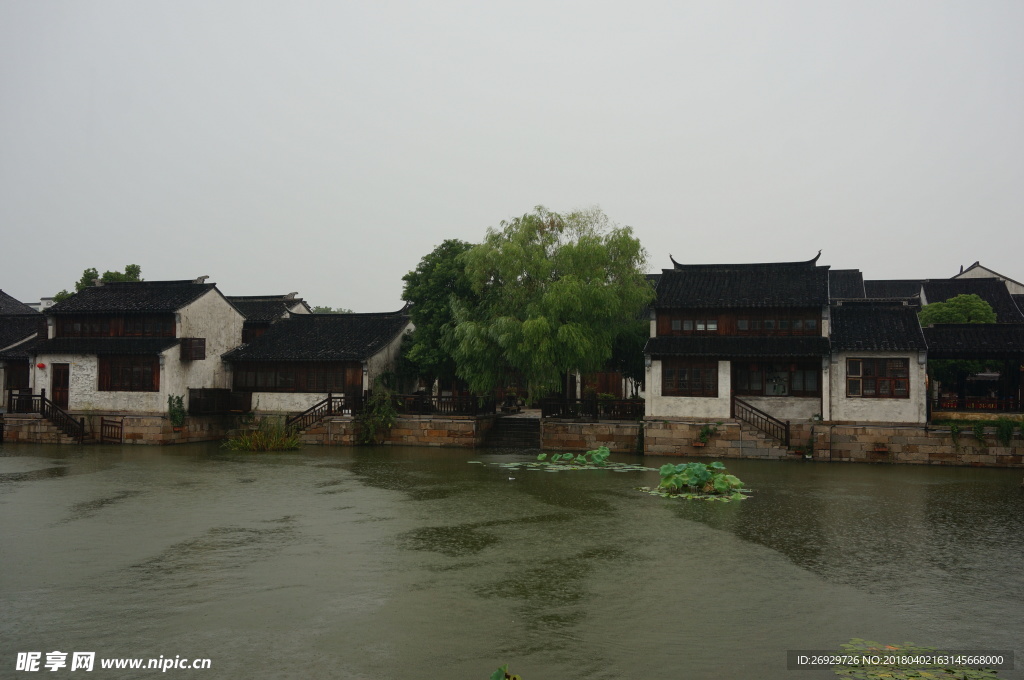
176	412
705	434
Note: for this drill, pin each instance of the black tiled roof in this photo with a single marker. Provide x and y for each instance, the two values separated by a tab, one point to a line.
788	284
845	283
323	337
131	297
11	307
975	340
19	327
1019	300
21	351
148	346
992	291
729	346
892	288
876	327
263	309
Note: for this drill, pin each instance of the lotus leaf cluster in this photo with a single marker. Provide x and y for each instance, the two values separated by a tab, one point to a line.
598	457
710	479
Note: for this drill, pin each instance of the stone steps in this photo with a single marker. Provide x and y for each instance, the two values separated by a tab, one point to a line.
514	433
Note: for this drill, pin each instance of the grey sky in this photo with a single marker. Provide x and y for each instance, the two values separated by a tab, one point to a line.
325	147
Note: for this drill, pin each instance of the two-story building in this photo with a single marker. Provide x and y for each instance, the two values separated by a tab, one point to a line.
753	331
126	347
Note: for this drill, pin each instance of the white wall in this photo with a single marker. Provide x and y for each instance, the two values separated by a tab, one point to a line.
657	406
862	410
384	360
83	381
211	317
982	273
786	408
285	402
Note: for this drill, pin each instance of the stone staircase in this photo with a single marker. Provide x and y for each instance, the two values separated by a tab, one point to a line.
513	433
756	439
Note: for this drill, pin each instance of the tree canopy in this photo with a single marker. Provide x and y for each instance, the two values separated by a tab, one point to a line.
438	278
959	309
132	272
554	292
330	310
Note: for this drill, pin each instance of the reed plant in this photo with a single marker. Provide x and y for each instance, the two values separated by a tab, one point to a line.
269	435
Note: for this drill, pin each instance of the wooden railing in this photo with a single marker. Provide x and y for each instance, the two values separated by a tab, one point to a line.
111	431
983	404
773	427
18	401
333	405
428	405
593	409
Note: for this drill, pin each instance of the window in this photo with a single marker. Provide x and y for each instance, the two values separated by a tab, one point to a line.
792	379
129	374
878	378
683	378
298	377
193	349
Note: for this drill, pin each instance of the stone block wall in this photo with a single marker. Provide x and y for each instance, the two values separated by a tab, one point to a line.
620	436
464	432
681	438
915	445
142	429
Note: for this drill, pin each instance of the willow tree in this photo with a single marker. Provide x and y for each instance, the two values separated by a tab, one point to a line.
553	293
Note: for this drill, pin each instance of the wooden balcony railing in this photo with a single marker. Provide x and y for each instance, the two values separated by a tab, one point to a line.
592	409
428	405
976	404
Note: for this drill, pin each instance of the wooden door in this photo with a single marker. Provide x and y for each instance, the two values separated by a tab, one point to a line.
59	384
354	380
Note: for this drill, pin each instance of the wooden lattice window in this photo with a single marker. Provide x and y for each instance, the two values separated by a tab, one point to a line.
129	374
688	378
193	349
878	378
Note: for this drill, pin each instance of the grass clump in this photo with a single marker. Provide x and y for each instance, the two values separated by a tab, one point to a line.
269	435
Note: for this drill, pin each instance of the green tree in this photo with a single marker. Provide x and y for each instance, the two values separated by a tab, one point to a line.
330	310
554	293
132	272
439	278
959	309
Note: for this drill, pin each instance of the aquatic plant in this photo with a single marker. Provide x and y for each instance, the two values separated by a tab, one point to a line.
503	674
699	480
902	662
269	435
597	457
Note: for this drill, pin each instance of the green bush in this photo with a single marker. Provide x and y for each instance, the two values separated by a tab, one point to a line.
269	435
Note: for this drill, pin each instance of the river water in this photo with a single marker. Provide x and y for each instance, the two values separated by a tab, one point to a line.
392	562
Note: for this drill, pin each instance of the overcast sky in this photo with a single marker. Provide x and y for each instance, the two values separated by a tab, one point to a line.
325	147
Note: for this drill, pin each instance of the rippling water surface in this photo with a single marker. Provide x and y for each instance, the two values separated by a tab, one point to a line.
413	562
